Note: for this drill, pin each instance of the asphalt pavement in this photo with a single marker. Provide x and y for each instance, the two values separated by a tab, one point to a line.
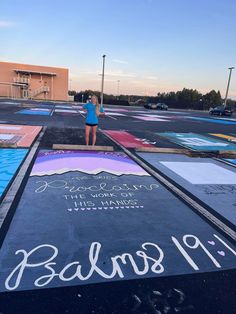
195	282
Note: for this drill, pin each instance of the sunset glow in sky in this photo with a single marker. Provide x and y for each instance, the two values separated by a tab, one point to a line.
151	45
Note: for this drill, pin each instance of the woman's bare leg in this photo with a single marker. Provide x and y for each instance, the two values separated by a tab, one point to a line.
94	130
87	133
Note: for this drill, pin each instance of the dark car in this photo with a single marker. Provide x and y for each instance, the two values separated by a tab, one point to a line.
221	111
150	105
159	106
162	106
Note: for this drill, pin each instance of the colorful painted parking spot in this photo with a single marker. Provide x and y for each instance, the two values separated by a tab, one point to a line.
151	118
67	111
9	103
230	138
210	181
116	114
63	107
7	140
117	110
35	111
21	135
98	217
151	138
127	139
198	142
10	160
220	121
77	107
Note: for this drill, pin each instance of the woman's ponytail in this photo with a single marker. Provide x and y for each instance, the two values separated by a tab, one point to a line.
98	106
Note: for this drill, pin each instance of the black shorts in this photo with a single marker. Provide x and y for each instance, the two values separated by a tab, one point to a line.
90	124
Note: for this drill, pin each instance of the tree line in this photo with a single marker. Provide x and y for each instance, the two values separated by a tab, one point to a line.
184	99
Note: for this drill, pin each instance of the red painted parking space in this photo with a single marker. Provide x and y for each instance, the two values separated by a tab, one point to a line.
127	140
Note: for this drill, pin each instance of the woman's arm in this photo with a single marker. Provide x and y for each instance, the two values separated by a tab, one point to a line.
102	112
85	108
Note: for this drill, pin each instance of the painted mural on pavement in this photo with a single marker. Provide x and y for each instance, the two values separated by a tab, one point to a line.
127	139
211	181
21	135
36	111
92	217
10	160
211	120
198	142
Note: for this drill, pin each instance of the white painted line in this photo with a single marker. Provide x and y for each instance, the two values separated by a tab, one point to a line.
81	114
111	117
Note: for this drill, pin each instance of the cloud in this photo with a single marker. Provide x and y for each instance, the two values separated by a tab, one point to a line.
120	73
6	24
120	61
154	78
117	74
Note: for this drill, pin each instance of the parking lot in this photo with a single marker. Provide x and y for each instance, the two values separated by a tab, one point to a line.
145	222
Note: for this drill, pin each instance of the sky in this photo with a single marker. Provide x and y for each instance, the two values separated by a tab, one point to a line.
151	46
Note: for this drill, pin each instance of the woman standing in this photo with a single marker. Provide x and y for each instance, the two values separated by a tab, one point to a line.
93	111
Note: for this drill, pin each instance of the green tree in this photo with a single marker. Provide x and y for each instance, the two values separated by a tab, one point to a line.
72	92
212	99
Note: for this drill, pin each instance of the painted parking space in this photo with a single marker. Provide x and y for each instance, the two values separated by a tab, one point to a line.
209	120
230	138
67	107
210	181
68	111
116	109
99	217
151	118
12	103
198	142
10	160
8	140
127	139
35	111
152	138
116	114
21	135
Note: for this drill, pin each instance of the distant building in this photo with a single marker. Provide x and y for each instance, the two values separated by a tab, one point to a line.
32	81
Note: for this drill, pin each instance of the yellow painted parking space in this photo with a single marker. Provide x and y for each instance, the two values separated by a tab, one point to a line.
227	137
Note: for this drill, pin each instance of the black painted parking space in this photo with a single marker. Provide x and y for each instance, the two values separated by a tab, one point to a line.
73	136
154	139
103	212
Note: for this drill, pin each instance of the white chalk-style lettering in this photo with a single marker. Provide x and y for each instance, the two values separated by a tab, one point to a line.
64	185
150	263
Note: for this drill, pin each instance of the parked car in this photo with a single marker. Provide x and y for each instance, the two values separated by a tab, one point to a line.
157	106
221	111
150	105
162	106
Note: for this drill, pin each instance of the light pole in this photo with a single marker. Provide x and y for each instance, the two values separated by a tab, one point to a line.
118	89
227	89
82	98
103	69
